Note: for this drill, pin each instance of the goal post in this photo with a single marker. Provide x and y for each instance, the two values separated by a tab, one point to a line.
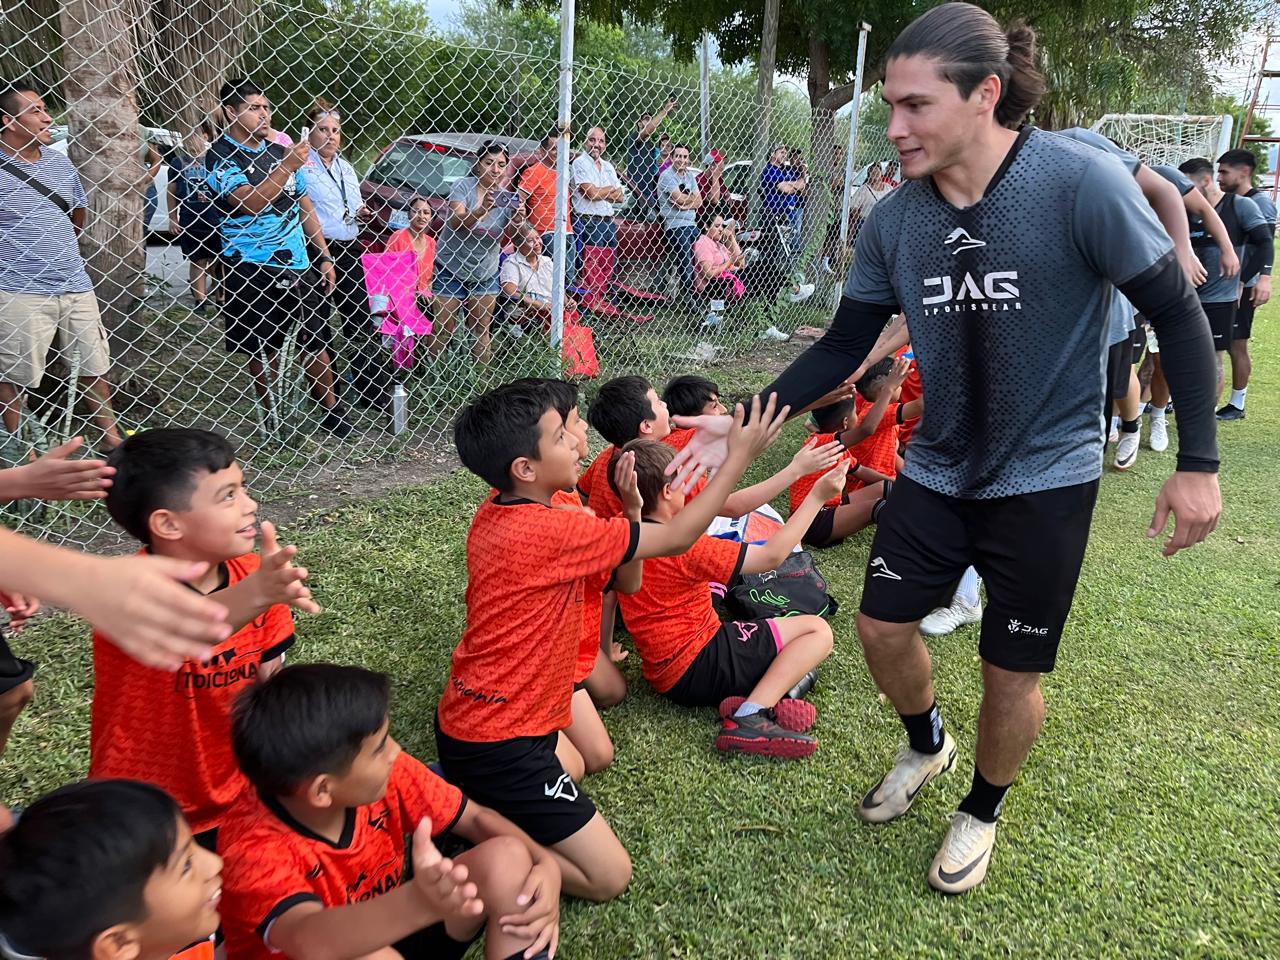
1170	140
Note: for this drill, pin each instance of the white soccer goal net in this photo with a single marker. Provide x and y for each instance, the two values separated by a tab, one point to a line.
1168	139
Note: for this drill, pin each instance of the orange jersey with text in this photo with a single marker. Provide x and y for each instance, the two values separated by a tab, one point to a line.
671	617
272	863
174	729
527	570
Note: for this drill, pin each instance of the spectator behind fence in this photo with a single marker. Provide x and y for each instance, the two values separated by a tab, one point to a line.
711	186
664	152
800	170
596	189
538	187
192	217
642	157
470	249
779	185
527	277
334	189
45	291
719	268
268	222
414	238
678	198
865	197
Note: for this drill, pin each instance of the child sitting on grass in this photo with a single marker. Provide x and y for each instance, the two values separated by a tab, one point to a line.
509	691
746	668
106	870
691	396
880	387
315	854
182	493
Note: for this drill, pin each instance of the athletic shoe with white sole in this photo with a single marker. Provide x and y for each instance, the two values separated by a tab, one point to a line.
801	293
945	620
1159	438
773	333
1127	450
798	716
897	789
965	854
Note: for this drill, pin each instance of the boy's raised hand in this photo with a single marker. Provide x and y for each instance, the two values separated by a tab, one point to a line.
20	608
442	883
281	581
831	484
813	457
624	475
898	375
55	476
540	920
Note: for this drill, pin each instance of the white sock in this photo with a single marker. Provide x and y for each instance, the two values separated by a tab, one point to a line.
967	592
1237	397
1157	413
1115	423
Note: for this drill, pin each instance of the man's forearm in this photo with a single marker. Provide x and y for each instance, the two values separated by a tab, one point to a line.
264	194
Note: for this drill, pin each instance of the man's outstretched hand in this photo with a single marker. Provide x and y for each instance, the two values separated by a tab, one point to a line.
708	448
1196	504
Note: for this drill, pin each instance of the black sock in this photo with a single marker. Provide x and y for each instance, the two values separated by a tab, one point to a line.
924	730
1130	426
984	799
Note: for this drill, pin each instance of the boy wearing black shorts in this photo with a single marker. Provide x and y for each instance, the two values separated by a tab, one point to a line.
748	668
509	691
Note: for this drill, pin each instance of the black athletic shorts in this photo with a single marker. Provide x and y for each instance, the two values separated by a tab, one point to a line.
264	303
1120	361
434	943
1221	317
1242	329
1027	548
200	241
522	779
819	532
732	662
14	671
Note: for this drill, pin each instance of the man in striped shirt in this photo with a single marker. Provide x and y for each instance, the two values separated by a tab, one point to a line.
44	288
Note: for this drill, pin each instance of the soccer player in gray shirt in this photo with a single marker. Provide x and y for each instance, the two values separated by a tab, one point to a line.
1000	250
1235	175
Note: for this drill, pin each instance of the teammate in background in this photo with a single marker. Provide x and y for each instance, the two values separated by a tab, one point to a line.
1003	474
1235	175
1253	243
106	870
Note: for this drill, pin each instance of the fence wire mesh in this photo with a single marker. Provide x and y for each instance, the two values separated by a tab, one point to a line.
736	243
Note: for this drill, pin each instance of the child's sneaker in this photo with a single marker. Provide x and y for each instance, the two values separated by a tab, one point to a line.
795	715
761	735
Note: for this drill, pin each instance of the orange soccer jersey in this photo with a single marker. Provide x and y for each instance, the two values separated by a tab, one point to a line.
198	951
174	729
671	617
880	450
800	489
527	570
592	601
272	863
912	389
594	482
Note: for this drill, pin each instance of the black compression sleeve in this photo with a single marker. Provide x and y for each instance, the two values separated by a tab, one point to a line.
1258	252
1166	298
823	366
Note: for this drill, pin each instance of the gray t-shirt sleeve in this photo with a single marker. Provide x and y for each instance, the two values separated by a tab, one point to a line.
1266	206
1113	226
1099	142
869	279
1248	214
667	182
463	191
1174	176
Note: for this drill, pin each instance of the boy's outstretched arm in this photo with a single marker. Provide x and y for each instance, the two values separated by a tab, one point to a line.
438	890
745	443
808	459
770	554
629	577
871	422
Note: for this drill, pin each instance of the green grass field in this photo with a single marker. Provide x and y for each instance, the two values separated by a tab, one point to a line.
1146	823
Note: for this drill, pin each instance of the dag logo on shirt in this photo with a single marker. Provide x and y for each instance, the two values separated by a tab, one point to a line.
993	291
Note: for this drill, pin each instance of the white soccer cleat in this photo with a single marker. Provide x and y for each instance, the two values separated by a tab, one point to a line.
897	789
1159	438
1127	450
962	860
945	620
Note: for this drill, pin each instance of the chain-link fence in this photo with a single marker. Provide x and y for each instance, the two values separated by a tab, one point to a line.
424	248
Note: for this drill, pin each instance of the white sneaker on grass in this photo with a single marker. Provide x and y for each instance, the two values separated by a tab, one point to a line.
801	293
773	333
897	789
1127	450
962	860
1159	438
944	620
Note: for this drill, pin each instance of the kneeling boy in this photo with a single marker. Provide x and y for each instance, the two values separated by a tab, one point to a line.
315	855
690	657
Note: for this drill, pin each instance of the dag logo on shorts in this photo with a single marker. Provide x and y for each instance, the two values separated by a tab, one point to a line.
1017	626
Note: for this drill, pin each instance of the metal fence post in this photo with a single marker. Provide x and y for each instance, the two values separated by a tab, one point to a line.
562	171
856	105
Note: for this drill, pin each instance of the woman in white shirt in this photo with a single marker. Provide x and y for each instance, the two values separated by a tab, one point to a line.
334	190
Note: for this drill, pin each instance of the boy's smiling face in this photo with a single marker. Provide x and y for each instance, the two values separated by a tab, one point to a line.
220	522
660	425
181	899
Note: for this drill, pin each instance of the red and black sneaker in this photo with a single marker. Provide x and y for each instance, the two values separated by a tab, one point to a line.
760	734
795	715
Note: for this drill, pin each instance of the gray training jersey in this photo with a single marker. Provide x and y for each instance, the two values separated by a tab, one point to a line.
1239	215
1006	302
1266	206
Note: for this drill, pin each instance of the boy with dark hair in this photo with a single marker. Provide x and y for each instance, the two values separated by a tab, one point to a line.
860	502
509	691
106	870
692	396
315	853
690	657
182	494
881	387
